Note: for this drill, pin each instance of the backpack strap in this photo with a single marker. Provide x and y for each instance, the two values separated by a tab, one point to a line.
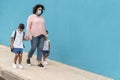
15	35
23	39
23	35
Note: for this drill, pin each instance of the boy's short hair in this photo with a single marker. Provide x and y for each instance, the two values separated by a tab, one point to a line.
21	26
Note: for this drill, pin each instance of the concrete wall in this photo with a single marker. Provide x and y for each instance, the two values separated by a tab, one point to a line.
83	33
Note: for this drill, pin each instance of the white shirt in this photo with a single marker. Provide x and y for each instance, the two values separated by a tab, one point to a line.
46	44
18	43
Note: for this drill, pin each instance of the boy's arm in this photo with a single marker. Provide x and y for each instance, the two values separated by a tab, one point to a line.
11	42
12	39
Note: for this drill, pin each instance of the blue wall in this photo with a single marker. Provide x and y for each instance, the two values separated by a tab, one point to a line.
83	33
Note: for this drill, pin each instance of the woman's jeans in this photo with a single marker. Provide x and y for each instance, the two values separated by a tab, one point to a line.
37	42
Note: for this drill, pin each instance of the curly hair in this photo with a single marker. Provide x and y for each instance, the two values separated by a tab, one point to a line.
36	7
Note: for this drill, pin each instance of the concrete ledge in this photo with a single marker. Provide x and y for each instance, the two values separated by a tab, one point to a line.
2	78
53	71
9	75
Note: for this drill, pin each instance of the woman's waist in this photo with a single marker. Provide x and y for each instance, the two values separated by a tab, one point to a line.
37	33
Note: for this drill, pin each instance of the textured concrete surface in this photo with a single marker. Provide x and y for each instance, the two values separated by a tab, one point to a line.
2	78
54	70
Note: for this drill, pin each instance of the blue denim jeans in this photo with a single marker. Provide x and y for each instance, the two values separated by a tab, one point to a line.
37	43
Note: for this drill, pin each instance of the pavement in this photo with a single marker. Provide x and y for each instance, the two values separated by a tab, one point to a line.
53	71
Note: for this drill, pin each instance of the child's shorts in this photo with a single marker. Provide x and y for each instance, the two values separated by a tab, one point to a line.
17	50
46	52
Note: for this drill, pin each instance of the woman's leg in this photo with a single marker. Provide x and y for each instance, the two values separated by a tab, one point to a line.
34	43
40	48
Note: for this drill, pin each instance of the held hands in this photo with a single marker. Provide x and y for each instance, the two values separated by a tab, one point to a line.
26	38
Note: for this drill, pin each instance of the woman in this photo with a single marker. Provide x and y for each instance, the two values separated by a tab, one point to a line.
36	32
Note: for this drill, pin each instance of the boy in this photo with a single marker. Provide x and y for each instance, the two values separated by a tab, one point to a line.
46	49
16	42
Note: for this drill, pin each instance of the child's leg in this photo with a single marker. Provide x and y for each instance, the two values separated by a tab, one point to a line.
44	58
20	58
19	61
15	58
45	55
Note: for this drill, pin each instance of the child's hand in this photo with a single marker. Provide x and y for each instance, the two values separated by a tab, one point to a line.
26	38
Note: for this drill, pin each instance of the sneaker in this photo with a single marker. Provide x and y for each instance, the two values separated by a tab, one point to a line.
14	65
41	65
20	66
45	63
28	62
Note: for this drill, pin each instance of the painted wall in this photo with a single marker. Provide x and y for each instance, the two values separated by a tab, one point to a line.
83	33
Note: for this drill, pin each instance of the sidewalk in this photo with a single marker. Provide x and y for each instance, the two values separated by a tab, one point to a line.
54	70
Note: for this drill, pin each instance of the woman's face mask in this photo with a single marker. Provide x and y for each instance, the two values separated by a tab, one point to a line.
39	12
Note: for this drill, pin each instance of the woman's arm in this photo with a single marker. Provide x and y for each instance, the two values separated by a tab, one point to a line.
29	23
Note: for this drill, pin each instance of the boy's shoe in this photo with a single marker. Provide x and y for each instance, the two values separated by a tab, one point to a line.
41	65
45	63
20	66
14	65
28	62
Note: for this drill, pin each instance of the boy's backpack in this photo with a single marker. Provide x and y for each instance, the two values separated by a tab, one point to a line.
15	37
